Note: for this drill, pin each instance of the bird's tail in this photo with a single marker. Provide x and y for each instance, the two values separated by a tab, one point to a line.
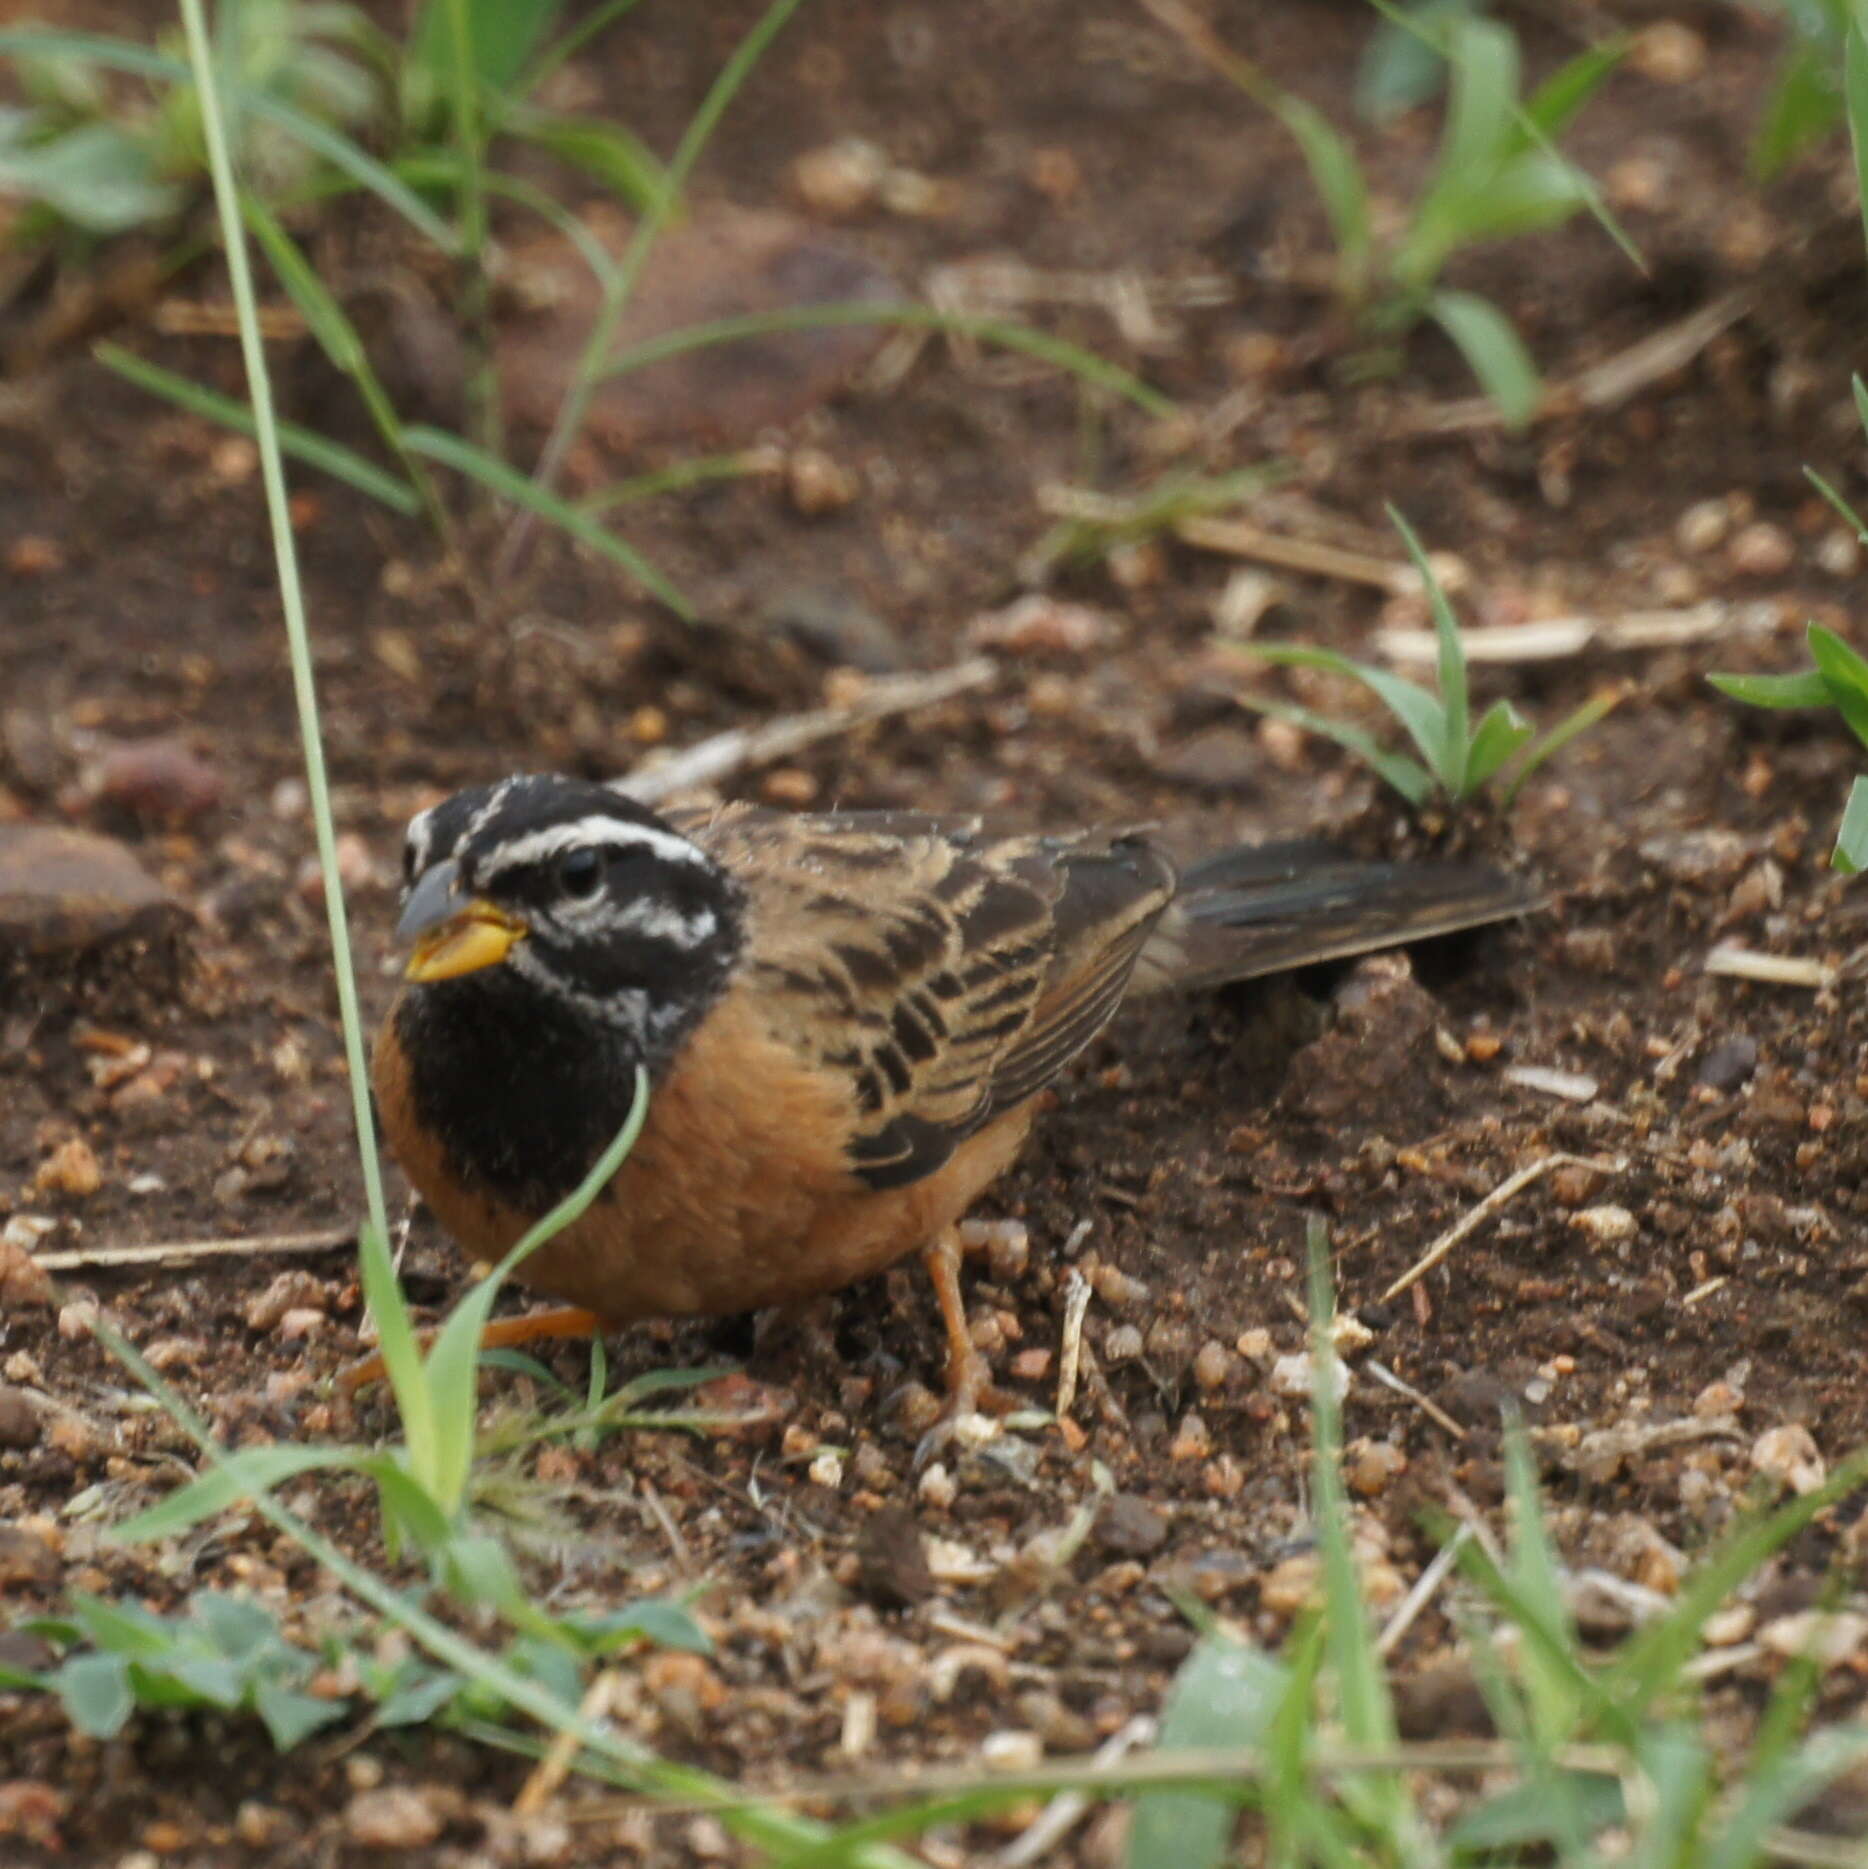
1262	909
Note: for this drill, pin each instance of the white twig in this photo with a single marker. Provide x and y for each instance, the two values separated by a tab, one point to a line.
1744	963
1551	639
1407	1391
727	753
1505	1191
171	1252
1425	1588
1055	1821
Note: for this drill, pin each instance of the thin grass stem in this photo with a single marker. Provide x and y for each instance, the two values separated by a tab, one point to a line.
291	594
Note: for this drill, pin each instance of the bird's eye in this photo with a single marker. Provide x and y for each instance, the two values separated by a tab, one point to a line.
580	872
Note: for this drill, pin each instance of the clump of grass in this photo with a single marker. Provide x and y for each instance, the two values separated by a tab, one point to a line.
1458	756
1499	176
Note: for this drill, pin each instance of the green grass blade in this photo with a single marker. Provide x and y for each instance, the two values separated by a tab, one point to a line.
1578	721
1805	104
604	151
1844	674
1774	1793
1850	856
1855	102
677	477
1409	703
1006	333
1803	689
336	149
455	451
1848	515
441	168
1451	763
503	36
300	443
324	317
1337	177
1407	776
1650	1663
253	1471
292	598
453	1363
1555	104
573	40
1482	91
1533	1568
601	341
1493	351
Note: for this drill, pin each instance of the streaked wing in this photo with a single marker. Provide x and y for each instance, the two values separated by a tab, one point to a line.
946	970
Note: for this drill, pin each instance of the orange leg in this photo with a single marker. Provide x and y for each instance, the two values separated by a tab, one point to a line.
969	1378
528	1327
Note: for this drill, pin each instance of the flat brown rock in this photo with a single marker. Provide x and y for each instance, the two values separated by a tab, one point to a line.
62	891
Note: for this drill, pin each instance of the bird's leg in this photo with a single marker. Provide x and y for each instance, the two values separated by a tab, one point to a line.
561	1321
969	1377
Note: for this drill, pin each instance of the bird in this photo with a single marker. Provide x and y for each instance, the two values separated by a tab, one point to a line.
847	1019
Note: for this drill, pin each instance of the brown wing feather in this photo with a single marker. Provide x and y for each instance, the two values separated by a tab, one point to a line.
947	971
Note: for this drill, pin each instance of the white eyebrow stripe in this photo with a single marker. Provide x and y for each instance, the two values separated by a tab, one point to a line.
662	921
594	833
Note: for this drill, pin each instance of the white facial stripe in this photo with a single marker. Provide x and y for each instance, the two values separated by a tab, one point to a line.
421	838
594	833
661	921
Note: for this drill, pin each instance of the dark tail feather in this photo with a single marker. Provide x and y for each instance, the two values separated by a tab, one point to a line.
1262	909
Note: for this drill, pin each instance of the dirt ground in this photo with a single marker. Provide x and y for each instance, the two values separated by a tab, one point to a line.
1657	1313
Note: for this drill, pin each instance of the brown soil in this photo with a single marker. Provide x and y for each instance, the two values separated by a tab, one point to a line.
1187	1149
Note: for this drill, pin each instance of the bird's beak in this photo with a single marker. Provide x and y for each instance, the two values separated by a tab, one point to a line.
451	935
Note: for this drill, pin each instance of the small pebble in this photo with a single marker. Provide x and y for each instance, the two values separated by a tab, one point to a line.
1213	1365
1574	1183
294	1290
1123	1344
936	1487
392	1817
19	1418
1128	1526
1291	1375
1193	1440
1761	550
1370	1467
1830	1636
817	484
1789	1454
1012	1751
843	177
1703	526
1607	1225
1729	1063
1669	52
72	1168
78	1319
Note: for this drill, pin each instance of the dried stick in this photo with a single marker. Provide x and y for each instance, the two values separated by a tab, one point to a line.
726	753
171	1252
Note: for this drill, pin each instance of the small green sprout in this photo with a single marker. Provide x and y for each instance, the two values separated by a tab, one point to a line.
1458	757
1499	175
224	1652
1838	679
1838	676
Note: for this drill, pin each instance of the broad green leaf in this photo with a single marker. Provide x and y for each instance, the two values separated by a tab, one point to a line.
415	1513
1850	856
210	1678
300	443
1338	180
502	34
1483	57
124	1628
416	1699
453	451
1535	1813
668	1625
1844	674
96	1693
337	149
1224	1695
239	1626
1495	353
95	176
1804	689
291	1717
1402	66
602	150
1407	776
